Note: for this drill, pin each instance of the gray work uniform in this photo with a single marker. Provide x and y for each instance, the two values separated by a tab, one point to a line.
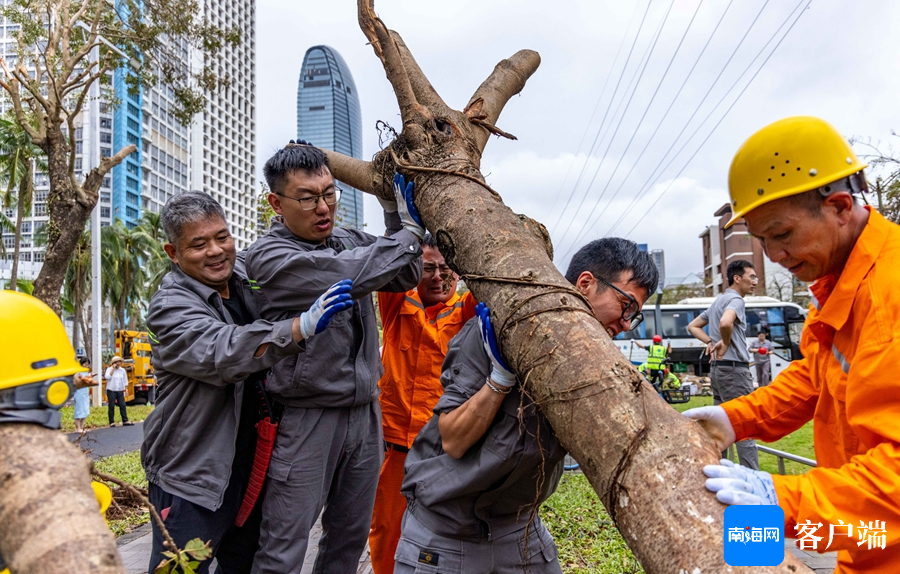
730	376
201	359
329	448
470	514
762	363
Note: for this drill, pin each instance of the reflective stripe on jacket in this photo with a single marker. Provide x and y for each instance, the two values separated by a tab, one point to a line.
415	343
656	354
849	386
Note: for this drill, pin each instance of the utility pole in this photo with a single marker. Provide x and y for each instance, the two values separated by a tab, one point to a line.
878	193
91	158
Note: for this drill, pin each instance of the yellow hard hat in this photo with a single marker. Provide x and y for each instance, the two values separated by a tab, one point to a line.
785	158
34	342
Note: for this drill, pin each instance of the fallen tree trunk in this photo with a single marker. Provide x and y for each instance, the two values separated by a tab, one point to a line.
643	458
50	522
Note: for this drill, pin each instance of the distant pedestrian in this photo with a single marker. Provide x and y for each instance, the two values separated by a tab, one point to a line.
116	383
726	344
83	398
762	349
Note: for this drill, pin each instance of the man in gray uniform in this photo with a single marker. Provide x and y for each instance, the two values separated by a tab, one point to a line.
726	344
478	471
208	354
329	448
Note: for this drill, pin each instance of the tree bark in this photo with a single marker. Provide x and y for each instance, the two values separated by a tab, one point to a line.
69	205
642	457
49	519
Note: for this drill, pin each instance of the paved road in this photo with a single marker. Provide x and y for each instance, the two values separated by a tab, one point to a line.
107	441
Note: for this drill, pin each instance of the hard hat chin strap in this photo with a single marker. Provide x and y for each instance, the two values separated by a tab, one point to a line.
854	183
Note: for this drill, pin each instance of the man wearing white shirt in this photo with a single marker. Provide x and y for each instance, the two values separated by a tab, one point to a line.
116	383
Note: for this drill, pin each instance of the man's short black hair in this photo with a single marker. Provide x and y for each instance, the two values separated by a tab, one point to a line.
609	258
429	241
291	158
738	267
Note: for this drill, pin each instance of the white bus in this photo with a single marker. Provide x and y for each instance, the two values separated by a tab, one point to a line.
783	322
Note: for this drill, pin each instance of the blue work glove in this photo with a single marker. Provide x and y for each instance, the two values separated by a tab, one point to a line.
332	302
735	484
406	209
500	372
715	422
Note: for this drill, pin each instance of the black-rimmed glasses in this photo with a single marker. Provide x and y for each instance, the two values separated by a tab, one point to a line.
631	313
310	202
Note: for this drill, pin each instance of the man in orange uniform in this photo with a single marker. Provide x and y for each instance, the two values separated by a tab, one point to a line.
796	182
418	325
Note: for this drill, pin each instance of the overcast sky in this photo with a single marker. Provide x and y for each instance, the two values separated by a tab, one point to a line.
839	61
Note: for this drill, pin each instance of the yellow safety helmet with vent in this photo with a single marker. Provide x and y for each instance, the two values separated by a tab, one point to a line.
785	158
36	349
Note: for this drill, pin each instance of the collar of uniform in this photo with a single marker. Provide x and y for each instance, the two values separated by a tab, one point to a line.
279	229
836	297
202	290
412	296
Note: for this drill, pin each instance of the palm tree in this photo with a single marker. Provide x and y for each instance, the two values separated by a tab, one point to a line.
157	263
124	253
77	289
17	158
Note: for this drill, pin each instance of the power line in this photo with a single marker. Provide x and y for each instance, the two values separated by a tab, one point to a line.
640	122
808	2
587	126
665	115
605	114
624	113
644	188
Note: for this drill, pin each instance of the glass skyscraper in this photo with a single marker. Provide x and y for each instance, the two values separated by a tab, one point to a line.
328	116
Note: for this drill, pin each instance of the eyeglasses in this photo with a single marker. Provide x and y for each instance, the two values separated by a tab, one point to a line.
312	201
430	269
631	313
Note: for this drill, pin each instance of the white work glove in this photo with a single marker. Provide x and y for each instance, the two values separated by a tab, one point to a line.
388	205
406	209
716	424
735	484
500	372
333	301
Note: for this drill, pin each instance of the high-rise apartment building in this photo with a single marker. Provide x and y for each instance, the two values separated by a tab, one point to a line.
223	140
328	116
216	153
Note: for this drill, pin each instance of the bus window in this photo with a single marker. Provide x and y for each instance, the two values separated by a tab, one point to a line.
675	323
645	330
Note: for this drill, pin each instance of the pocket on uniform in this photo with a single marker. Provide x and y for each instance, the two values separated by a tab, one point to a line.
538	549
279	469
428	559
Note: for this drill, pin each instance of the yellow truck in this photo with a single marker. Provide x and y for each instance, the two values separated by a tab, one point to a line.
134	348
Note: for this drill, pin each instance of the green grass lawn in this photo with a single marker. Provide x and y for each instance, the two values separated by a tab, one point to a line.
586	537
127	466
98	416
799	442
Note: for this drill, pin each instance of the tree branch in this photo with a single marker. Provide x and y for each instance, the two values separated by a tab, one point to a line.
507	80
355	172
425	93
389	53
95	177
12	88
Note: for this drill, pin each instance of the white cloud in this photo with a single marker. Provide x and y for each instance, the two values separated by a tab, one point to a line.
839	68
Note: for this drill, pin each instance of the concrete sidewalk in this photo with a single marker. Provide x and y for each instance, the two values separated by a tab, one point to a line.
135	551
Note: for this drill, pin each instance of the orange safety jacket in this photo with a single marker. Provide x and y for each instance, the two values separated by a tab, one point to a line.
415	343
849	385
